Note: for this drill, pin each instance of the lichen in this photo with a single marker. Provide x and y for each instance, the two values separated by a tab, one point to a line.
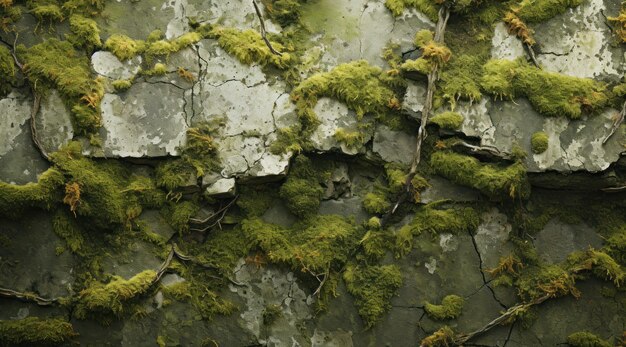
448	120
113	297
15	199
450	308
539	142
550	93
31	331
495	181
372	288
586	339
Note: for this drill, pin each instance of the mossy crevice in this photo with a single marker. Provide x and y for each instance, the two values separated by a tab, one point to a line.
33	331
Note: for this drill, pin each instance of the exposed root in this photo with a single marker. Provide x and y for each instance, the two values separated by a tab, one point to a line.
616	124
263	32
215	217
27	297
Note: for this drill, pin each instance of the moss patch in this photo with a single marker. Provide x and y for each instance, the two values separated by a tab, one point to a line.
460	79
35	331
123	47
586	339
535	11
539	142
428	7
7	71
15	199
85	33
284	12
448	120
493	180
450	308
551	94
302	191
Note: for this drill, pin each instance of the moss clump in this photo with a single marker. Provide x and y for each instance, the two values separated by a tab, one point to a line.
204	300
620	24
7	71
123	47
288	140
518	28
357	84
85	33
179	213
32	331
47	13
66	228
450	308
15	199
443	337
492	180
539	142
302	191
550	280
461	79
248	46
122	85
436	53
551	94
448	120
428	7
586	339
600	264
376	202
56	64
111	298
420	65
351	139
616	245
372	288
535	11
435	221
284	12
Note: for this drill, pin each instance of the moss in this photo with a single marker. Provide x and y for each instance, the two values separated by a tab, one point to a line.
271	313
372	287
435	221
443	337
123	47
56	64
551	280
376	242
461	79
448	120
450	308
357	84
620	24
616	245
255	200
586	339
287	140
493	180
179	213
302	191
66	228
122	85
351	139
248	46
420	65
539	142
423	37
32	331
535	11
205	301
111	298
436	53
15	199
428	7
85	33
517	27
284	12
7	71
600	264
551	94
47	13
376	202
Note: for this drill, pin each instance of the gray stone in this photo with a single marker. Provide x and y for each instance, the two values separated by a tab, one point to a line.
333	116
491	238
107	65
505	45
224	187
442	189
157	224
557	240
133	259
394	146
54	124
414	98
351	207
338	338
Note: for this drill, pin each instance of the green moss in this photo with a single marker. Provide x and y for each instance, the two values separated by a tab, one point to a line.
179	213
7	71
351	139
85	33
553	280
376	202
47	13
123	47
539	142
423	37
428	7
32	331
56	64
450	308
435	221
66	228
586	339
255	200
287	140
302	191
448	120
461	79
420	65
122	85
616	245
357	84
15	199
205	301
443	337
493	180
535	11
550	93
284	12
112	298
248	46
600	264
372	288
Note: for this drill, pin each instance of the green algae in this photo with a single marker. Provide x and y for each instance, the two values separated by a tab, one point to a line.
113	297
448	120
495	181
450	308
550	93
539	142
372	287
16	199
32	331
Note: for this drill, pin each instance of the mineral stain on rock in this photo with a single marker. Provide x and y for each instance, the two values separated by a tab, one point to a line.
312	173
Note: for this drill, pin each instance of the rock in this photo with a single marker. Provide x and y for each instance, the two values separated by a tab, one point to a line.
171	279
351	207
334	115
54	123
133	259
279	214
442	189
224	187
107	65
491	238
157	224
338	184
414	98
394	146
505	45
557	240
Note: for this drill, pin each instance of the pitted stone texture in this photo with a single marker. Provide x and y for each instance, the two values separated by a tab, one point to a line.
394	146
580	43
54	124
20	162
505	45
348	30
574	145
333	116
107	65
272	286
